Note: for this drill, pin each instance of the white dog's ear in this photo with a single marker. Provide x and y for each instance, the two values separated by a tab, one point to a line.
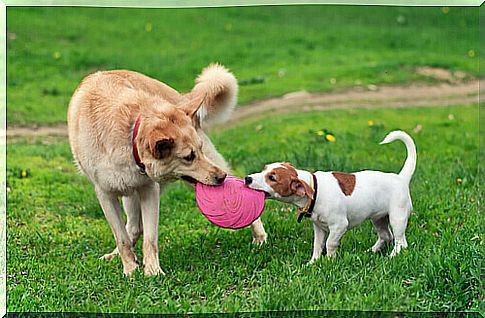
301	188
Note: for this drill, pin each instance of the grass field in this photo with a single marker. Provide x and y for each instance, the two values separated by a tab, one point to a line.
56	229
273	50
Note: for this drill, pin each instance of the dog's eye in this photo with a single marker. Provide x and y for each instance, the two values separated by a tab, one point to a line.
190	157
271	178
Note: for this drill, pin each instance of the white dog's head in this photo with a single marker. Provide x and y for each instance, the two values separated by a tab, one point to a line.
280	182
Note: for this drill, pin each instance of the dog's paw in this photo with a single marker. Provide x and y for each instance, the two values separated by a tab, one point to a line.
153	270
110	256
129	269
260	239
376	248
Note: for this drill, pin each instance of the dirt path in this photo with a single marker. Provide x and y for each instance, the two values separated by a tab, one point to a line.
372	97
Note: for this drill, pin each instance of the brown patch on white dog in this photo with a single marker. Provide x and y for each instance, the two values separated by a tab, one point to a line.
346	182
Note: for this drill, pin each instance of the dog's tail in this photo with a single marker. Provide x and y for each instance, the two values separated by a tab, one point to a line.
219	86
410	164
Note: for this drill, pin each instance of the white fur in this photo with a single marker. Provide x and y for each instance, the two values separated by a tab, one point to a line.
382	197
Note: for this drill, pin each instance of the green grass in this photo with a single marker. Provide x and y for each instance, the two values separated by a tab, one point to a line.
56	229
290	47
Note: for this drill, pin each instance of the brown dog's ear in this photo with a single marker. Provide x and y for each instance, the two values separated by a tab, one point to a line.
194	105
301	188
163	148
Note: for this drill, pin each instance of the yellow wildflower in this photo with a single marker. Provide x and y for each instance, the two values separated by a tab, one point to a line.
330	137
320	133
24	173
370	123
459	180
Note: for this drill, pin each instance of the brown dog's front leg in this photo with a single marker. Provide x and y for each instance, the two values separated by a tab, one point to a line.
150	205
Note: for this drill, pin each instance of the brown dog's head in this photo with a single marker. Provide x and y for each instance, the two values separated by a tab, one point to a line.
170	147
279	181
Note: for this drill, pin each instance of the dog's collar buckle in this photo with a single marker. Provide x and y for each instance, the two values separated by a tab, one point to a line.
308	209
136	156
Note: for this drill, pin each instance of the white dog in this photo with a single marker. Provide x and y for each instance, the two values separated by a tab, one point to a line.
337	202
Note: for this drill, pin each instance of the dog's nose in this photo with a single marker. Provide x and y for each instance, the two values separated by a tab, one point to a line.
220	179
248	180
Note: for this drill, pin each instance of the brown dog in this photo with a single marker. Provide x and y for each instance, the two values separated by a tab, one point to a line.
131	135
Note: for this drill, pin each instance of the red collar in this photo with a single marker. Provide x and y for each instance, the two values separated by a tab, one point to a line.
135	149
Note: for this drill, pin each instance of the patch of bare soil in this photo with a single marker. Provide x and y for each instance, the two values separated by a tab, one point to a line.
442	74
443	94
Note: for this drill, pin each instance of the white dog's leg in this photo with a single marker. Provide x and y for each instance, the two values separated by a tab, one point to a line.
333	241
318	240
150	205
382	228
112	211
134	225
398	218
259	235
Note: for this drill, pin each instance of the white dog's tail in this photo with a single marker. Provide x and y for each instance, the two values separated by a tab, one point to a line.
410	164
219	86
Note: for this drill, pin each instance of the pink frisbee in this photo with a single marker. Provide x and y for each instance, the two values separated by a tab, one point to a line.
230	205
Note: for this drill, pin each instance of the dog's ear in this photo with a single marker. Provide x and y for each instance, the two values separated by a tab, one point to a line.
193	107
163	148
301	188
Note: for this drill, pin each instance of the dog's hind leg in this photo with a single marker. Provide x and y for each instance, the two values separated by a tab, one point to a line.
259	234
398	218
112	210
382	228
134	225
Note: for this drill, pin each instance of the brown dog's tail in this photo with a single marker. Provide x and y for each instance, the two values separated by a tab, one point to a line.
219	86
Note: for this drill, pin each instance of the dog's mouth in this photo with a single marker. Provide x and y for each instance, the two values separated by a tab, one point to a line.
266	194
189	180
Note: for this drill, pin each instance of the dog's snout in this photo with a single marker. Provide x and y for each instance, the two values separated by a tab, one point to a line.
220	178
248	180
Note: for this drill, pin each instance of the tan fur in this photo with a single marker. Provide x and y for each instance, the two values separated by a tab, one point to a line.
101	117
